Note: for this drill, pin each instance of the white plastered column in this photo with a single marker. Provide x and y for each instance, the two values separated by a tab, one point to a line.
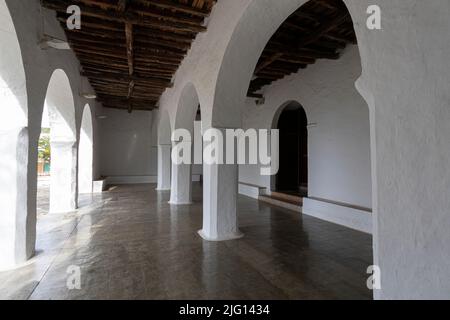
164	164
86	153
13	197
63	195
220	192
181	189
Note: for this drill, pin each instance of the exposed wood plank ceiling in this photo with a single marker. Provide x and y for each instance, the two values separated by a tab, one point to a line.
320	29
130	49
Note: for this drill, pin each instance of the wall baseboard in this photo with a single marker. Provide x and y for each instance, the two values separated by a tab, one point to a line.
131	179
280	203
350	217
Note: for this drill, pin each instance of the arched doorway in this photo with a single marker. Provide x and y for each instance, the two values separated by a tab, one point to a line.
58	132
85	153
292	176
14	248
197	148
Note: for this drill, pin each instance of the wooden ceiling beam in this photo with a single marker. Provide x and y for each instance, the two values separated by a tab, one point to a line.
324	28
306	53
99	26
126	78
317	30
108	29
130	58
255	95
314	36
93	36
173	6
130	49
141	52
306	15
148	56
113	100
128	17
139	88
329	36
147	108
326	4
119	97
147	71
122	5
146	8
129	45
120	91
267	62
124	103
153	33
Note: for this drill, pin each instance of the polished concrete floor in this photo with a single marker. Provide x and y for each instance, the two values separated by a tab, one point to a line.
131	244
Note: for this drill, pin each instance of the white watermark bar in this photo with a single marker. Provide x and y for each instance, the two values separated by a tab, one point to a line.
250	147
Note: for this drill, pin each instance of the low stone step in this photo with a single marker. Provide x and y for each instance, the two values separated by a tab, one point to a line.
289	205
290	198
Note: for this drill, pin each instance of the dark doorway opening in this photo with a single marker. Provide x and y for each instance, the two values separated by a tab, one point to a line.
292	176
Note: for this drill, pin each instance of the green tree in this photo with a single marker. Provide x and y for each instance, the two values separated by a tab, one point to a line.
44	148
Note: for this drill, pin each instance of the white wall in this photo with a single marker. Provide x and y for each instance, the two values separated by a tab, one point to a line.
339	140
405	81
127	147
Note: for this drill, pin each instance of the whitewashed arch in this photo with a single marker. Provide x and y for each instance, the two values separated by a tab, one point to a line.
188	104
85	152
258	23
60	105
181	184
276	116
13	146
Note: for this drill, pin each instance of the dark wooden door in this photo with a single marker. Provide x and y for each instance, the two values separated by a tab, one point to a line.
292	176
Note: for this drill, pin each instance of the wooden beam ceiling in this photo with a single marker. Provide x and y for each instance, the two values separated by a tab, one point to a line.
320	29
130	49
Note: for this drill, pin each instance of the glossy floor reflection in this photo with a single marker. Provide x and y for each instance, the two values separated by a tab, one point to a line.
131	244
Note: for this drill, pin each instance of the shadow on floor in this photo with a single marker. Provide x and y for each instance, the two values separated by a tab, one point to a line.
129	243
